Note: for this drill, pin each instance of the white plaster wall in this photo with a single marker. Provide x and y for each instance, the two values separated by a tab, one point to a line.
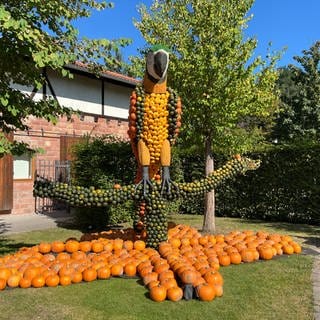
27	90
84	94
80	93
116	100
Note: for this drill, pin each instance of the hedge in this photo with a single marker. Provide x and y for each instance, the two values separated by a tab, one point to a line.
102	162
286	187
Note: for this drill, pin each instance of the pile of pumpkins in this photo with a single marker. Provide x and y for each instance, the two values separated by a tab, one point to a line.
186	266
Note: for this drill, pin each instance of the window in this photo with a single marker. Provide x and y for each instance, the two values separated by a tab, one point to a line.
22	167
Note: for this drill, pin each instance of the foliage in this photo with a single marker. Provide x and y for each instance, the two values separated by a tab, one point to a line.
35	35
300	98
102	162
229	98
211	68
285	188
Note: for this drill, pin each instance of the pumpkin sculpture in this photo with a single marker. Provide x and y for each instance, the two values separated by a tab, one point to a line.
154	120
154	123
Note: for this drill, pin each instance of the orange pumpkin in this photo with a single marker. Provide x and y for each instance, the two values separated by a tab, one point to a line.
205	292
31	272
65	280
214	277
139	245
218	290
38	281
3	284
169	283
224	260
97	246
235	258
188	276
72	246
24	283
130	269
296	247
151	276
247	255
76	277
175	293
266	253
52	280
57	246
5	273
158	293
85	246
44	247
104	273
13	280
89	274
117	270
288	249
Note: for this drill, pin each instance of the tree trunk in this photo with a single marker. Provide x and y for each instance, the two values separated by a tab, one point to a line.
209	225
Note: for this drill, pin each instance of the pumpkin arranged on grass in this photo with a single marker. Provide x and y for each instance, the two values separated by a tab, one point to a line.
205	292
186	260
158	293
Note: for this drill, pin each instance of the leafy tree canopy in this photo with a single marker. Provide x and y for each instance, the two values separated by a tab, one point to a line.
228	95
299	85
35	34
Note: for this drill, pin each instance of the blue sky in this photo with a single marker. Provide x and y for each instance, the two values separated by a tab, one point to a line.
293	24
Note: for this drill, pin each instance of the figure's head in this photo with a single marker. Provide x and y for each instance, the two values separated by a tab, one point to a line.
157	62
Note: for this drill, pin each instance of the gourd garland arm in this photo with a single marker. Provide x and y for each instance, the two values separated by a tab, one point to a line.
90	197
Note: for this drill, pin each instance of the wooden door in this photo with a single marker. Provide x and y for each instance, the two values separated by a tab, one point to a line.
6	184
66	144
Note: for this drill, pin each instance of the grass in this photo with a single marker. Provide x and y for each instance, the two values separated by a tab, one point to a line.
277	289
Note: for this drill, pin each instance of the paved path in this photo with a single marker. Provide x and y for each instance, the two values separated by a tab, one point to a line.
10	224
22	223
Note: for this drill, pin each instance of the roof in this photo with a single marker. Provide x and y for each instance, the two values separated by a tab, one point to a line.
109	75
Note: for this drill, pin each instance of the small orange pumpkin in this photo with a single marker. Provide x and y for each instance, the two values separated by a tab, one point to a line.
158	293
24	283
52	280
72	246
89	274
3	284
175	293
206	292
38	281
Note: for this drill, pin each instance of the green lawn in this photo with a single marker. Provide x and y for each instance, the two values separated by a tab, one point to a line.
277	289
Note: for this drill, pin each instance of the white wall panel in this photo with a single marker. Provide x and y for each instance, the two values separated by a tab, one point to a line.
80	93
116	100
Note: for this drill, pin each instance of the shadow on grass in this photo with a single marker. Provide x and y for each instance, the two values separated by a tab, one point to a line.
63	219
9	246
4	227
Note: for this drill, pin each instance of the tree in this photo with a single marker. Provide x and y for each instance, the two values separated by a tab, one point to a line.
228	96
300	98
38	34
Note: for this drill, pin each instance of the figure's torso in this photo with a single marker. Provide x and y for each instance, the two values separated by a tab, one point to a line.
155	123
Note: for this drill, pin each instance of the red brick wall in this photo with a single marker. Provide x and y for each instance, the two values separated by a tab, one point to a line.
46	136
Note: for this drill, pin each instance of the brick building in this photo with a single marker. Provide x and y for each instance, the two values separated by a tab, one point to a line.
103	104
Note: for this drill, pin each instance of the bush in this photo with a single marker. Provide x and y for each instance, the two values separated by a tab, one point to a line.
102	162
285	188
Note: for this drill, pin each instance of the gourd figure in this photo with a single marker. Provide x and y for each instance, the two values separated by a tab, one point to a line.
154	121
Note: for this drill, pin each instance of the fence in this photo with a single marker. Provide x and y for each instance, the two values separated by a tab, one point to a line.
57	171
